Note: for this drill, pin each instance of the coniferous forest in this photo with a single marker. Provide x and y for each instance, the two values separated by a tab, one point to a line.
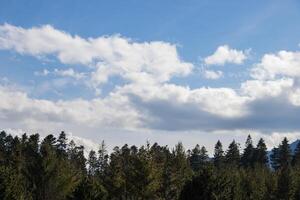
53	168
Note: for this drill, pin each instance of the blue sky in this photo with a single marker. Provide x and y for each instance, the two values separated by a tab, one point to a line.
167	42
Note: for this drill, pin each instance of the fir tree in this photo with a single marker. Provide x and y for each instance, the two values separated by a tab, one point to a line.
218	154
232	156
61	145
284	154
195	158
261	154
248	154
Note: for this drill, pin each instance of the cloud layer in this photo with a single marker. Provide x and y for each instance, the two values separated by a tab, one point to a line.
108	55
148	99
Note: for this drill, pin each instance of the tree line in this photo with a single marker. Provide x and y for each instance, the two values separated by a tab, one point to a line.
56	169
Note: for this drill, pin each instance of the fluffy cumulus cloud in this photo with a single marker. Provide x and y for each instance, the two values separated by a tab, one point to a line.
148	100
111	55
224	54
283	63
113	111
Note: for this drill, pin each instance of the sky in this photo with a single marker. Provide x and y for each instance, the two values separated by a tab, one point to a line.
166	71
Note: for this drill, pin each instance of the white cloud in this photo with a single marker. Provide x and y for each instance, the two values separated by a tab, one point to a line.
69	73
224	102
114	111
224	54
283	63
275	138
110	55
210	74
262	89
148	101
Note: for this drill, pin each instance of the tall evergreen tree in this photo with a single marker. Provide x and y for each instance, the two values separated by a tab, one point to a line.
284	154
261	154
61	145
218	154
181	172
232	156
195	158
248	154
203	155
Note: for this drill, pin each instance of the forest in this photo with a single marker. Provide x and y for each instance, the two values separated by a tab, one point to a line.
54	168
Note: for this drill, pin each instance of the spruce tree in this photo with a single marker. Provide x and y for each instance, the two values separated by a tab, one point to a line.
218	154
180	168
232	157
284	185
284	154
61	145
248	154
261	154
198	158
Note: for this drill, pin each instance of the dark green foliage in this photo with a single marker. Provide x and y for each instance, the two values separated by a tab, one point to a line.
260	154
247	159
285	155
284	185
218	155
200	187
55	169
281	157
208	184
232	156
198	158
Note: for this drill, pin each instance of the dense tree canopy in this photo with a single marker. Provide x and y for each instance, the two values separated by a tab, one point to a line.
53	168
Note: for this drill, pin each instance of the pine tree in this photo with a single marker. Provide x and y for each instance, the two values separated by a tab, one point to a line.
117	180
203	155
284	154
218	154
180	168
232	156
248	154
61	145
33	169
195	158
261	154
